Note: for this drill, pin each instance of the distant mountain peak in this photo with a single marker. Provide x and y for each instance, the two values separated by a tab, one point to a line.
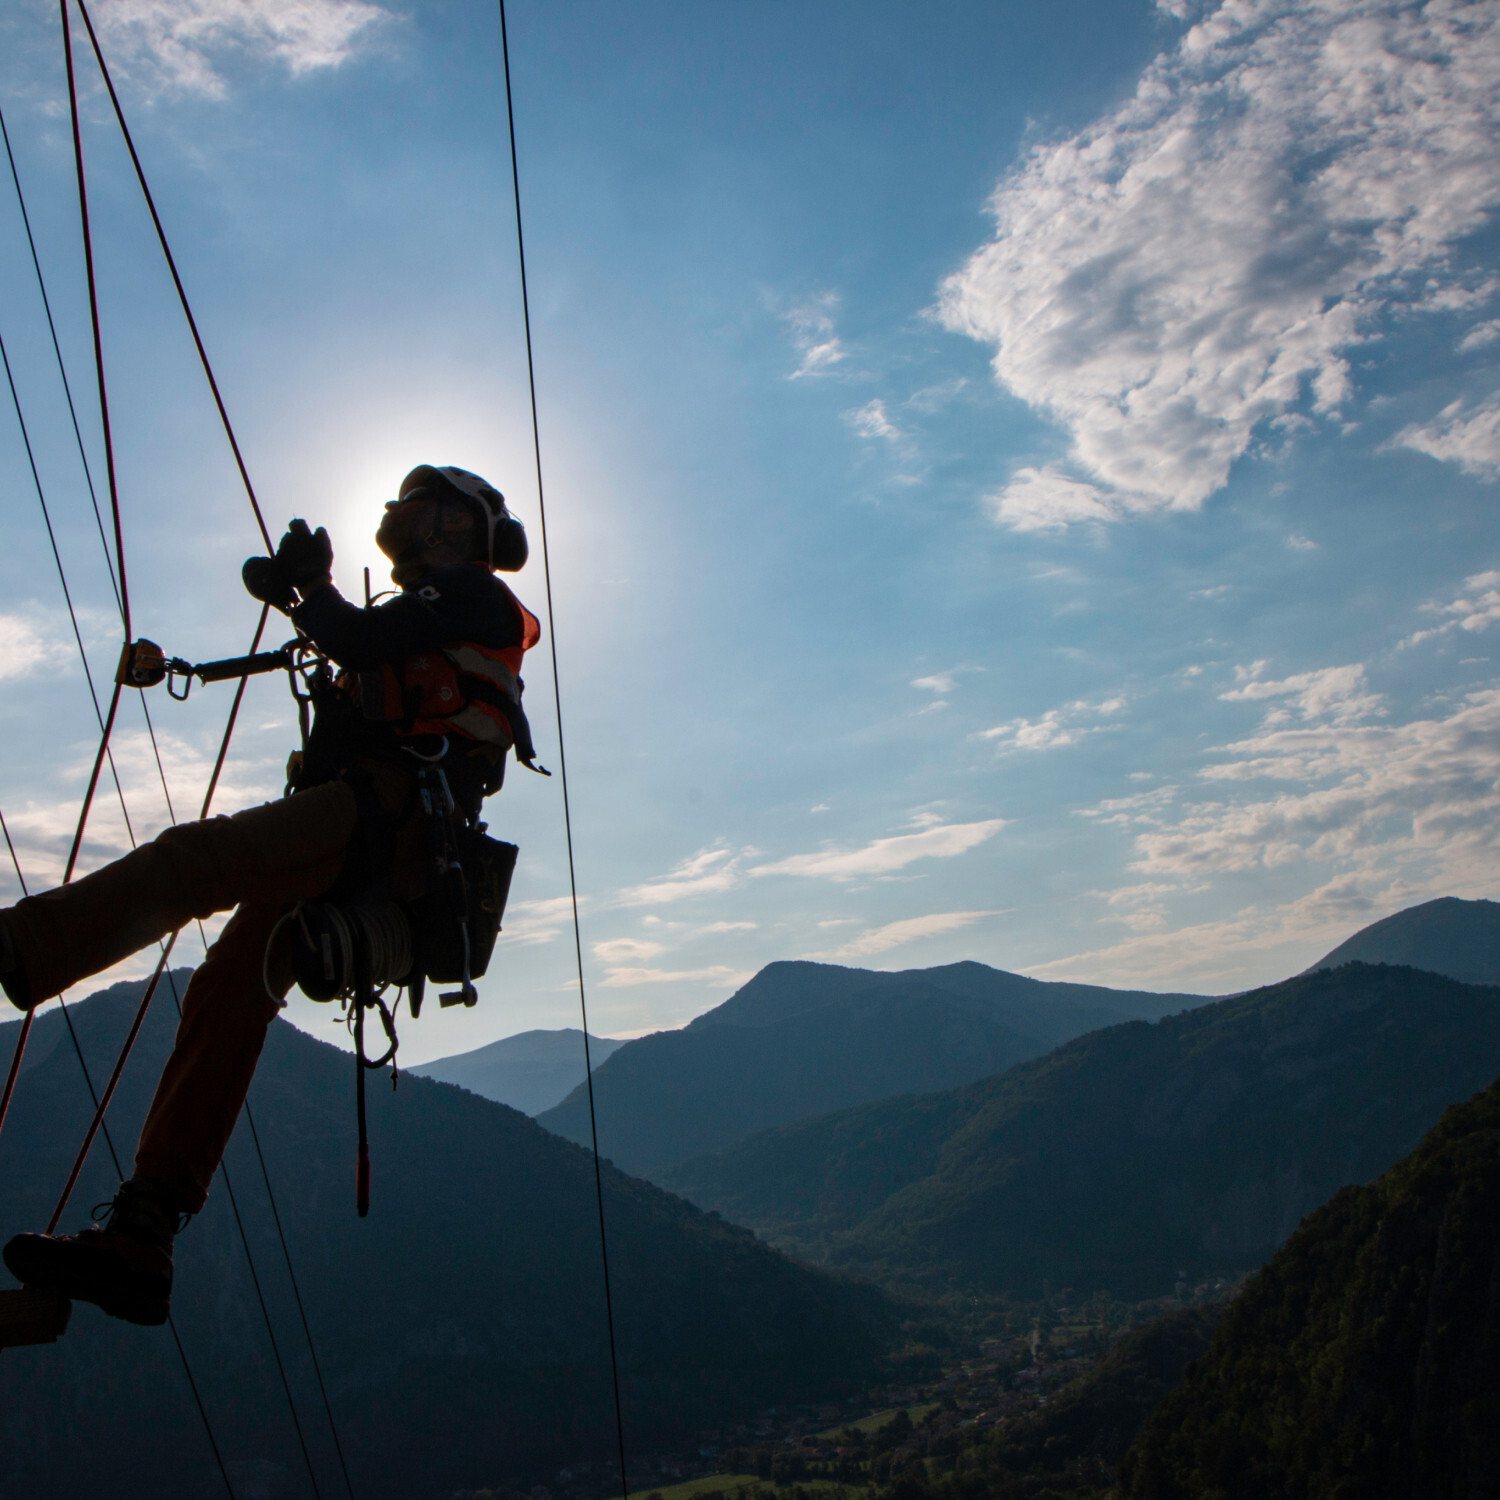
1449	936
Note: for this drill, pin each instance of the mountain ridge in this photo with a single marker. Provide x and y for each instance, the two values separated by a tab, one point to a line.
1193	1144
1450	936
460	1327
531	1071
801	1038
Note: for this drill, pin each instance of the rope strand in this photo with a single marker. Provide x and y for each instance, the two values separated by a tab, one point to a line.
562	759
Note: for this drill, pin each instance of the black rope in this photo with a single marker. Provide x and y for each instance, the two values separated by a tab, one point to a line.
233	440
62	369
187	1368
562	757
338	1447
166	251
146	999
286	1253
16	1056
88	264
265	1311
119	582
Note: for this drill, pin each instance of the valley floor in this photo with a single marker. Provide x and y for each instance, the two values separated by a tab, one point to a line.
1043	1407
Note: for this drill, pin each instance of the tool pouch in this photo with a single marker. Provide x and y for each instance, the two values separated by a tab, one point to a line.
475	898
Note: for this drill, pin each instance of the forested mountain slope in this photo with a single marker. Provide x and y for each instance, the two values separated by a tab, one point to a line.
530	1071
1129	1157
801	1039
460	1327
1458	938
1362	1360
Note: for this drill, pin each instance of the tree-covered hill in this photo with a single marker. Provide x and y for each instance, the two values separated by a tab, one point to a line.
1130	1157
530	1071
460	1327
1448	936
801	1039
1363	1359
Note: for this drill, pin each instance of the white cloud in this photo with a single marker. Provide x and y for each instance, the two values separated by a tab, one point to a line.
626	950
884	856
531	923
1426	791
1336	692
179	44
812	329
27	646
939	682
718	974
729	927
1299	543
1202	258
873	421
1481	336
703	874
1282	939
1471	441
1056	728
909	930
1476	609
1045	500
43	830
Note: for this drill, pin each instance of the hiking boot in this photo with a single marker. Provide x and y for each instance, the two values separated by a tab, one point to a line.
123	1265
13	978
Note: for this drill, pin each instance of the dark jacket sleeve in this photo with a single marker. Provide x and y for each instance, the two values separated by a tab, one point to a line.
448	605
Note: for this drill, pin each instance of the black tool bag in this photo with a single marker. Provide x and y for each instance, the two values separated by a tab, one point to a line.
475	890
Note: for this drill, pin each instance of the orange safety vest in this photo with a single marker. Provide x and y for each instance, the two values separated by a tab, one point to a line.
465	689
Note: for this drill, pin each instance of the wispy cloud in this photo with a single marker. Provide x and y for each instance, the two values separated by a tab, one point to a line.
1476	609
626	950
717	974
909	930
1468	437
1202	258
811	325
29	644
1056	728
532	923
885	856
182	45
1046	500
1333	692
1210	956
1426	791
873	421
703	874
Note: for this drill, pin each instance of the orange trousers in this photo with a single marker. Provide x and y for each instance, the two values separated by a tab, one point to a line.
260	861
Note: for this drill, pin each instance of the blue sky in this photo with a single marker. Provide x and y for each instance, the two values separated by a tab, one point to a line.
1021	478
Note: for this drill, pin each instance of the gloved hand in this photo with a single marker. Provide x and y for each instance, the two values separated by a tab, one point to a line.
305	557
264	580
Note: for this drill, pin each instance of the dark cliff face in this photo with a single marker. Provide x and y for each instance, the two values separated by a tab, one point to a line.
460	1327
1193	1145
1362	1359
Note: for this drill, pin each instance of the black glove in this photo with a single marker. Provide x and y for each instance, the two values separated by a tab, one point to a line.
304	556
264	580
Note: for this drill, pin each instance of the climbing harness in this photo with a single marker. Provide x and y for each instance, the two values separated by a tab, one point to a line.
355	946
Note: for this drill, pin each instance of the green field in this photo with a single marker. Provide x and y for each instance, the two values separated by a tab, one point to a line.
870	1424
690	1488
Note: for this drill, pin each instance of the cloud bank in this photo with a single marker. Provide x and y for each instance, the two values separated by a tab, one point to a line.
1202	259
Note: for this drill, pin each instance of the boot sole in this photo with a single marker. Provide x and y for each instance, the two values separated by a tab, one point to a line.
29	1264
